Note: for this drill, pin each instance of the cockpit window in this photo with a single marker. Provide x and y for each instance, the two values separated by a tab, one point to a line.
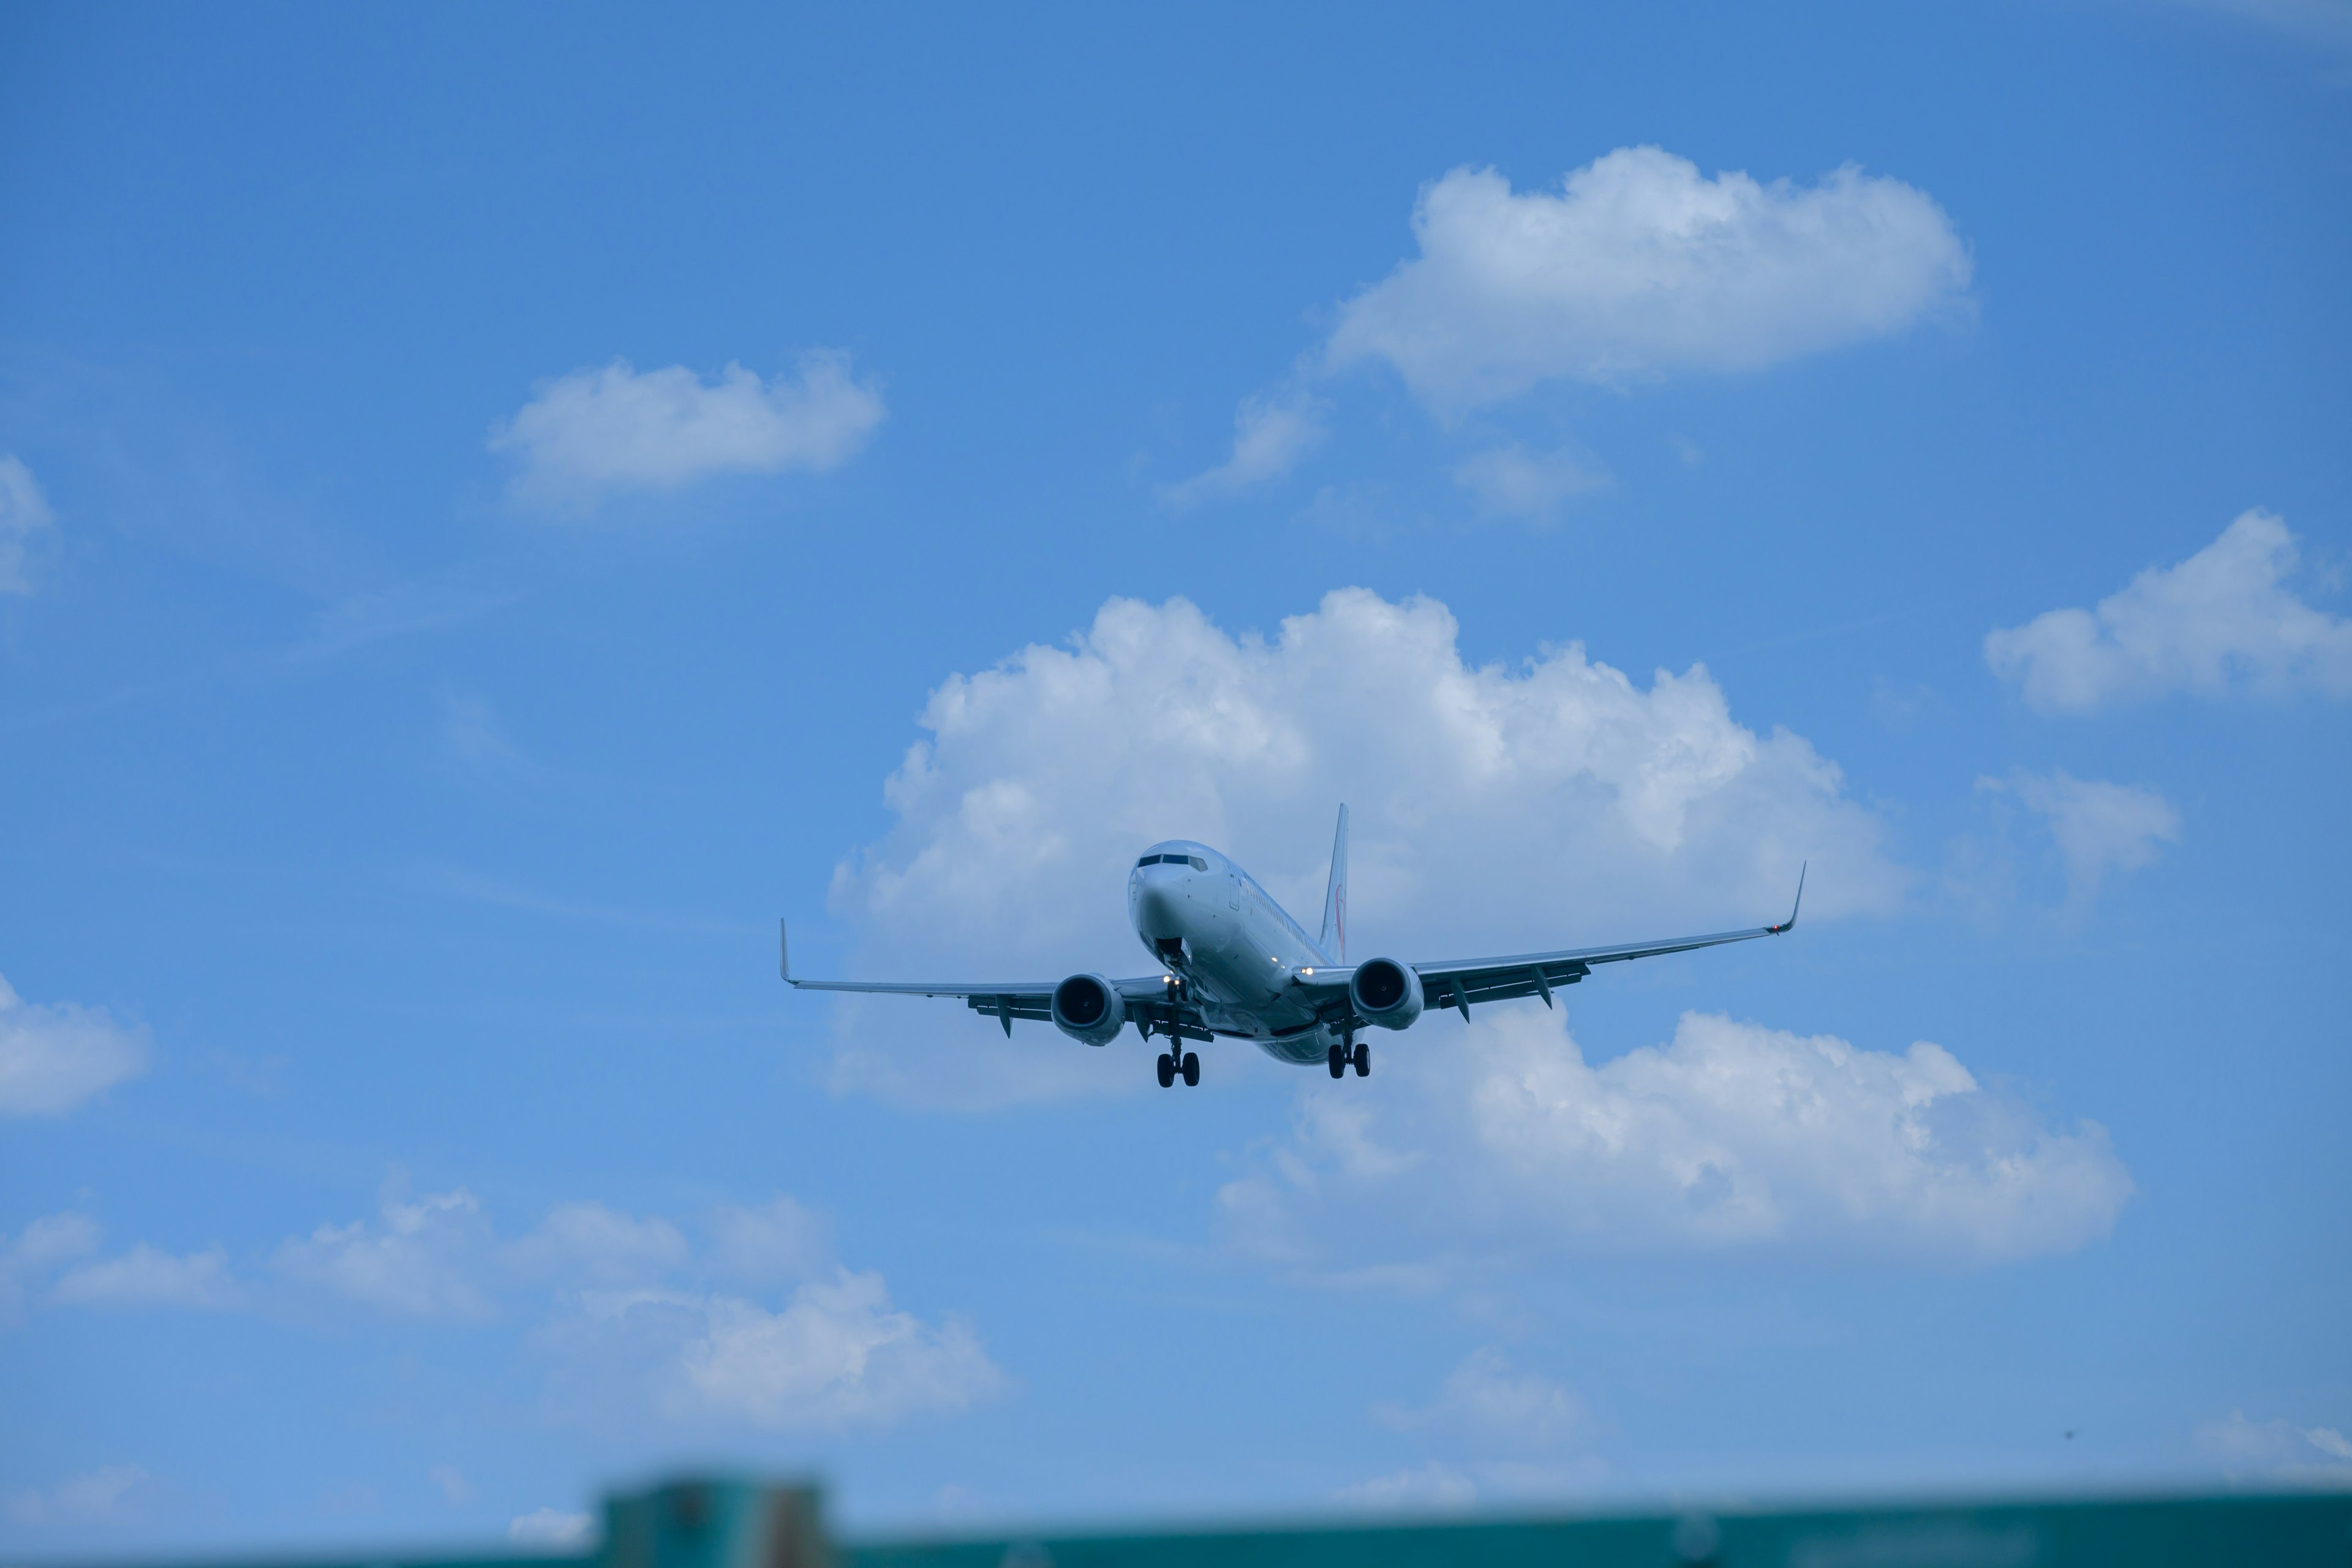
1147	861
1192	861
1197	863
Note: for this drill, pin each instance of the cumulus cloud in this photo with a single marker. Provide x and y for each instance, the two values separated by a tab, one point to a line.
53	1057
2098	827
595	431
834	1353
425	1256
1495	808
1488	1403
641	1317
1640	267
147	1277
551	1530
2221	622
1730	1136
1271	434
2279	1450
1511	481
24	513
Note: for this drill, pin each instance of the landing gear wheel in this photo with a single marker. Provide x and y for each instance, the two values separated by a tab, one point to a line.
1336	1059
1167	1070
1191	1071
1363	1059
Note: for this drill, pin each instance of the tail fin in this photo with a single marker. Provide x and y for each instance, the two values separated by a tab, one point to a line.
1335	897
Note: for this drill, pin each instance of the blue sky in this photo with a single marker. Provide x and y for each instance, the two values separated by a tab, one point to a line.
496	508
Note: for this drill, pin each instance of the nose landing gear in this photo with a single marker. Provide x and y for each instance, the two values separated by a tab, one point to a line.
1172	1065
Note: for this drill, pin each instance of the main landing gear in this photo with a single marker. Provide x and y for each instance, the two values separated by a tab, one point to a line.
1171	1066
1339	1058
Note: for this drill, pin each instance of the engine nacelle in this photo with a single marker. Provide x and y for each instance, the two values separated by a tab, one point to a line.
1386	993
1088	1007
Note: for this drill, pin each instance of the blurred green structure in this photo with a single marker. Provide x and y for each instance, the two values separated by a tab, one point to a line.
740	1524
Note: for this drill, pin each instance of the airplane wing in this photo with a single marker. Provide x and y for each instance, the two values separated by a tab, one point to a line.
1153	997
1458	982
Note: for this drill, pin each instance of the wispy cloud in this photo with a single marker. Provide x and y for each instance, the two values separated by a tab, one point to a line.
595	432
2098	827
1511	481
24	514
1271	434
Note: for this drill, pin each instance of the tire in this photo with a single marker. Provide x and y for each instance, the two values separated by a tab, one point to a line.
1191	1071
1337	1062
1167	1070
1363	1059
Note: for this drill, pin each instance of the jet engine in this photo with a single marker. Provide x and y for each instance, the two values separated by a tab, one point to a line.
1386	993
1088	1007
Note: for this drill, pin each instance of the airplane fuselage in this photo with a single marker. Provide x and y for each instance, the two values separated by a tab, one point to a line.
1207	921
1230	960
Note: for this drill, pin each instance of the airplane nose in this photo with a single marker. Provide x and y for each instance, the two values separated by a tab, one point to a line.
1157	902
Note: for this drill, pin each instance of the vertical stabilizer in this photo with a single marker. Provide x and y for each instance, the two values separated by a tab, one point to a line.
1335	897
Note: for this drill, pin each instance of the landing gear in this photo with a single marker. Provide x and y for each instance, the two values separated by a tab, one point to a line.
1172	1065
1349	1054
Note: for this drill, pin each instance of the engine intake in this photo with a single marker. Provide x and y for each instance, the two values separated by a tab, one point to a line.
1088	1007
1386	993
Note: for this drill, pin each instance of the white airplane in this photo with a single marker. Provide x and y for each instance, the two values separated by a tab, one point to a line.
1233	963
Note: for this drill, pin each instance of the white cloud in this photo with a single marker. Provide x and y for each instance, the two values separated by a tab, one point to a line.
624	1310
835	1355
24	512
456	1489
1731	1136
2221	622
1488	1403
103	1495
1514	482
588	1241
145	1276
2098	827
1270	435
425	1258
595	431
2278	1449
1640	267
38	1251
1495	808
54	1057
551	1530
1433	1486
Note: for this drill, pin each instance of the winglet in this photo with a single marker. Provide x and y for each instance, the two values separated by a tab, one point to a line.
785	954
1790	922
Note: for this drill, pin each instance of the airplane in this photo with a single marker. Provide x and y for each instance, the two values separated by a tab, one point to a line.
1234	963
